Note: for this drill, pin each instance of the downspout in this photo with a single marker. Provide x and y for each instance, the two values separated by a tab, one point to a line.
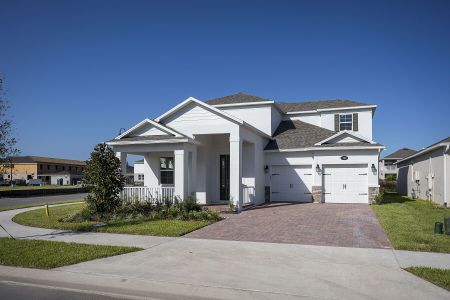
445	175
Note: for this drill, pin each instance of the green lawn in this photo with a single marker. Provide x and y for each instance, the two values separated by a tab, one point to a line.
49	254
35	205
410	224
29	187
37	218
440	277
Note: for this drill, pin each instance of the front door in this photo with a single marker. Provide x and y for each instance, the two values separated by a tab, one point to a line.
225	177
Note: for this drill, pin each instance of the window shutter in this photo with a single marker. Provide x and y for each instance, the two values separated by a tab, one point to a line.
355	122
336	122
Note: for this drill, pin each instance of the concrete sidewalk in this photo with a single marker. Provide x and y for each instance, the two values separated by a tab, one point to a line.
212	269
172	268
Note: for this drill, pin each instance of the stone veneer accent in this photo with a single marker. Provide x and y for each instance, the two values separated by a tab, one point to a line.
317	194
373	192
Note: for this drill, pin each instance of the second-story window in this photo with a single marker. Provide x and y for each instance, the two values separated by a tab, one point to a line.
346	122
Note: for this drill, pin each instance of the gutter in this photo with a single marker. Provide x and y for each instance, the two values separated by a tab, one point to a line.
327	148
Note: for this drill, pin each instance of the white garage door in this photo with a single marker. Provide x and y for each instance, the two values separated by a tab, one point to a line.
291	183
345	184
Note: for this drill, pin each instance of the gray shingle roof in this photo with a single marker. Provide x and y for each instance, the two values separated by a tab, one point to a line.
297	134
236	99
313	105
402	153
286	106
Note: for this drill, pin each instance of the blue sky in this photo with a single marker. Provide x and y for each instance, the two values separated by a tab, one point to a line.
78	71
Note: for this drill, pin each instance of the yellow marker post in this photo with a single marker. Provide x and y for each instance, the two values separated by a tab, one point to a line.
47	213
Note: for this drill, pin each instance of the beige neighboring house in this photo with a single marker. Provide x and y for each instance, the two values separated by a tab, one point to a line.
388	168
50	170
426	174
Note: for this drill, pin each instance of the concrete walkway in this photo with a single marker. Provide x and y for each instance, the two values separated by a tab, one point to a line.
183	267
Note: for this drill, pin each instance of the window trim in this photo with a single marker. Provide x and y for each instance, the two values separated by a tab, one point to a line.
346	122
167	170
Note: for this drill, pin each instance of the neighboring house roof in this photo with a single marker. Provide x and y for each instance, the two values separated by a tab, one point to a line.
236	99
48	160
298	134
315	105
141	161
402	153
442	143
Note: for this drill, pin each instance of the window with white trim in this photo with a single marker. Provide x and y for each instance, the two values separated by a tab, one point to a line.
346	122
141	177
167	166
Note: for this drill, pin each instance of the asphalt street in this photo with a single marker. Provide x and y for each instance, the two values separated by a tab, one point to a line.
17	290
4	202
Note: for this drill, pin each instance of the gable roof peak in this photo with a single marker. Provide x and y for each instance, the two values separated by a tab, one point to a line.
237	98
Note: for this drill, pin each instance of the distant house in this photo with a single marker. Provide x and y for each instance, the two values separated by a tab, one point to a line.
139	172
426	174
56	171
387	166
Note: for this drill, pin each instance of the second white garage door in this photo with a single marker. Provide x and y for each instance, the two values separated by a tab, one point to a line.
291	183
345	184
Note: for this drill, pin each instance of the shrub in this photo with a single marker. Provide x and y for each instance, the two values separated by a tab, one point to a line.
388	186
190	204
379	198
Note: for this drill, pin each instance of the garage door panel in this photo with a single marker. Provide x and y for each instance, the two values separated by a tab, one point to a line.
291	183
345	184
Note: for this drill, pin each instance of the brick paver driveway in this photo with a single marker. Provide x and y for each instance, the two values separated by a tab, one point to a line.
346	225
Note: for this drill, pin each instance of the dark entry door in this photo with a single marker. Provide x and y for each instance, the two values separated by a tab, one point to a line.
225	177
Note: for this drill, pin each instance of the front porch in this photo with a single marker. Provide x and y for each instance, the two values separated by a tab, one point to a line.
209	167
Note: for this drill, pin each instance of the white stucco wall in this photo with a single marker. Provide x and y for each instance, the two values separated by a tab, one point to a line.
265	117
364	120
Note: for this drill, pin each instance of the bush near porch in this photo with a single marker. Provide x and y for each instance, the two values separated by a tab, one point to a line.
143	219
409	223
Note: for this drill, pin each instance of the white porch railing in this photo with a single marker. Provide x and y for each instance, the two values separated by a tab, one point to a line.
147	194
248	195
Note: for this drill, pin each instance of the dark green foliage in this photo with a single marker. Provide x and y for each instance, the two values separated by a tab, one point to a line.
104	174
388	185
379	198
190	204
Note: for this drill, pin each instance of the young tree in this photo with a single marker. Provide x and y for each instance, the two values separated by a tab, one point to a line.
103	173
7	141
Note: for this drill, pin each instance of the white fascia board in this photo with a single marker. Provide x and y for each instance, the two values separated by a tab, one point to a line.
202	104
330	109
243	104
352	133
148	142
145	121
327	149
426	150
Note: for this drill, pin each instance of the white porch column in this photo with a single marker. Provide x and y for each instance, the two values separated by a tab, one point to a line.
236	171
123	161
151	170
180	172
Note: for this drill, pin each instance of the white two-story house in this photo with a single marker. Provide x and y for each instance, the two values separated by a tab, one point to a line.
250	150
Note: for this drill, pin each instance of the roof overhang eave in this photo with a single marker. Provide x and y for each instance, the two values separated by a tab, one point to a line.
149	142
426	150
330	109
326	148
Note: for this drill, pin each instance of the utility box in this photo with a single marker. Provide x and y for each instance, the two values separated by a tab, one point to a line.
447	225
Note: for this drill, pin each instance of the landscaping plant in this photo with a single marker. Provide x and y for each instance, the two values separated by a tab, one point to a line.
103	173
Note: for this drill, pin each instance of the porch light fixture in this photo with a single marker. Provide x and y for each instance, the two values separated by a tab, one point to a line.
318	170
266	169
374	169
